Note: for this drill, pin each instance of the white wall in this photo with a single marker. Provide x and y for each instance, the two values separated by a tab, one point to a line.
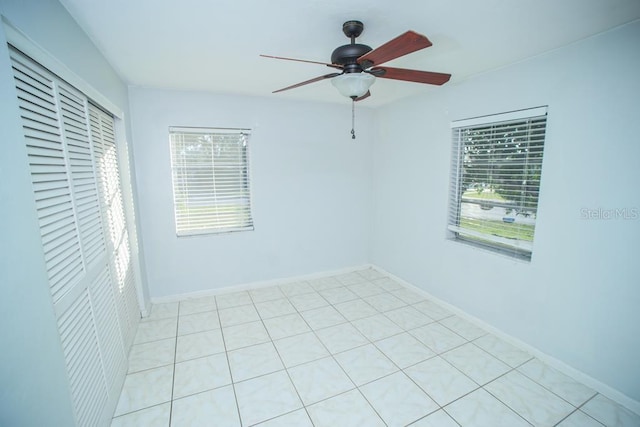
578	299
310	183
34	387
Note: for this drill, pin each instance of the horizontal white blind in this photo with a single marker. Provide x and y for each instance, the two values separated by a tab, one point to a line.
495	181
211	188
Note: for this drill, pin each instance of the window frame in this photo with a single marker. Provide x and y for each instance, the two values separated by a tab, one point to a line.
482	234
196	224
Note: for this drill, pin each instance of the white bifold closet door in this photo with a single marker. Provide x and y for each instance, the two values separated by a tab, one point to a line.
71	151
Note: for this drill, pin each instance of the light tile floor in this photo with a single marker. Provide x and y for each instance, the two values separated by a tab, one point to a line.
356	349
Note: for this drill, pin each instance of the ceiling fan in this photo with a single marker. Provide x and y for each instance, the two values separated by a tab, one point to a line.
359	64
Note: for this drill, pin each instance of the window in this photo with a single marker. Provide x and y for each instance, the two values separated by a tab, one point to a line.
210	180
495	180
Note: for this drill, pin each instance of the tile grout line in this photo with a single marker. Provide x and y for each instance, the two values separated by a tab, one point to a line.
482	386
500	400
286	370
440	408
378	312
579	409
350	322
332	355
372	342
567	416
339	284
221	327
551	391
346	373
312	330
516	369
173	376
226	353
347	321
436	354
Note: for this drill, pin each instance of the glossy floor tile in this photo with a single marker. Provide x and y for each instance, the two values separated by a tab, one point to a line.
350	409
146	388
398	400
152	355
481	408
319	380
440	380
202	374
269	396
356	349
202	408
609	413
535	403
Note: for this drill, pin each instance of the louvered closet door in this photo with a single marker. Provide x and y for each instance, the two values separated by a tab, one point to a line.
79	206
103	137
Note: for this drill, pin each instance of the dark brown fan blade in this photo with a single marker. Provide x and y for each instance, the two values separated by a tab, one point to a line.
427	77
400	46
303	60
365	96
317	79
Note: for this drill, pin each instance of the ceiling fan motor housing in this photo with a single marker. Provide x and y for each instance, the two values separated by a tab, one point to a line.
348	54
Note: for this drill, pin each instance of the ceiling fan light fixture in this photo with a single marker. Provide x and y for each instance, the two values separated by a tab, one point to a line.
353	85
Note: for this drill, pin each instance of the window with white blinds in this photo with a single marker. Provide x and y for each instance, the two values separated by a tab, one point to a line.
210	172
495	180
71	151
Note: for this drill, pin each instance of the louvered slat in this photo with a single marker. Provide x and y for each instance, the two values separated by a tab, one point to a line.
133	310
110	338
37	101
102	134
74	119
80	346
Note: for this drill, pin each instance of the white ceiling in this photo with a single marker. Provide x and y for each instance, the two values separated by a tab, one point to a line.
213	45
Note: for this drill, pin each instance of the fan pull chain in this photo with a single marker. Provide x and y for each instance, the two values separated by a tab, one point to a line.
353	118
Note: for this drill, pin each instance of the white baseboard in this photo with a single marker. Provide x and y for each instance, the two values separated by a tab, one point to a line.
255	285
600	387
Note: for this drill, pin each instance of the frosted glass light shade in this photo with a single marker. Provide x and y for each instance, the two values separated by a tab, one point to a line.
353	84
